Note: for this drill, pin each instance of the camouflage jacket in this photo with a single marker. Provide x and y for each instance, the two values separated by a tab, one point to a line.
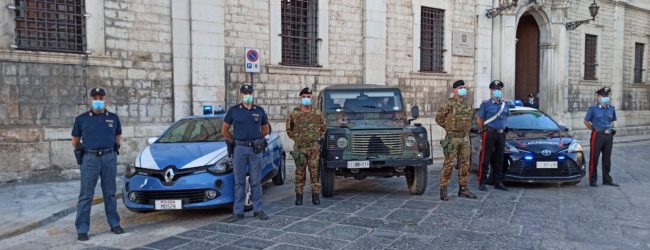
305	127
455	116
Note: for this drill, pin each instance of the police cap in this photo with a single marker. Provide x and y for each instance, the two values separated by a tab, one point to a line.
246	88
305	91
496	84
97	91
458	83
604	91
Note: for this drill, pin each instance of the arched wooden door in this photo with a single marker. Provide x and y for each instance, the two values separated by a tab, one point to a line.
527	64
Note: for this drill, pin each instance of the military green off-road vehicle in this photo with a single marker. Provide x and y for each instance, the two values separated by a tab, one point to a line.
369	134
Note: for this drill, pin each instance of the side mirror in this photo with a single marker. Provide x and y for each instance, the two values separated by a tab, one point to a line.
415	112
152	140
565	128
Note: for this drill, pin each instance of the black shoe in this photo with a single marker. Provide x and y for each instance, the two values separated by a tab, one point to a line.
500	186
611	183
482	187
234	218
315	198
261	215
490	182
463	191
117	230
82	237
298	199
443	194
593	184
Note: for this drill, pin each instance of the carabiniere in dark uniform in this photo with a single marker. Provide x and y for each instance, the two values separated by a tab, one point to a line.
492	116
599	120
96	138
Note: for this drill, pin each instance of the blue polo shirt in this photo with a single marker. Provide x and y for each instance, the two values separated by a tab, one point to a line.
246	123
490	108
601	117
97	131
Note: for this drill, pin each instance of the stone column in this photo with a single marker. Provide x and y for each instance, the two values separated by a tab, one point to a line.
483	58
181	47
618	61
374	42
506	50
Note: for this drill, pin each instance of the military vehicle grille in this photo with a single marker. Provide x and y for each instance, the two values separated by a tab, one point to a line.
379	144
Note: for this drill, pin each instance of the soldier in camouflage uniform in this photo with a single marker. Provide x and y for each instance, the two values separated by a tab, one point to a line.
455	116
306	126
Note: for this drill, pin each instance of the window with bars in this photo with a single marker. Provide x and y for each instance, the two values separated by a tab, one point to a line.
432	40
591	49
50	25
300	32
638	62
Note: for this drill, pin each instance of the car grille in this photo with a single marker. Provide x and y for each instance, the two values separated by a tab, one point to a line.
377	144
188	196
565	167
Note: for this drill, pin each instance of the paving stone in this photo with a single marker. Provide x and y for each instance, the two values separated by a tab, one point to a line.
349	233
362	222
307	226
412	241
390	203
301	212
252	243
289	247
230	247
274	222
442	220
196	234
264	233
310	241
374	212
347	207
224	239
228	228
407	216
500	242
369	242
168	243
199	245
329	216
458	239
420	205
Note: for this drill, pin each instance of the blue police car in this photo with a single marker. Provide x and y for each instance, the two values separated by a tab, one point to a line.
188	167
538	149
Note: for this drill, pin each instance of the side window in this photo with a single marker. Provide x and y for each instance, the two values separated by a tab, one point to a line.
300	32
591	50
432	40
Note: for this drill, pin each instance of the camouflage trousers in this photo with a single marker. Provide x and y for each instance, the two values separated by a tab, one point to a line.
455	148
306	157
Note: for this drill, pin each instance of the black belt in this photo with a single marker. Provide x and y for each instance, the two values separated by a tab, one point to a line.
244	143
498	131
606	131
99	152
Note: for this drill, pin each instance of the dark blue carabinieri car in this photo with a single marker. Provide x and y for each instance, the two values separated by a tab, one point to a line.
188	167
538	149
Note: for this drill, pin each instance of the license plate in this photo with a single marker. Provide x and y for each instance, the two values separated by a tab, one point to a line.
168	204
546	164
358	164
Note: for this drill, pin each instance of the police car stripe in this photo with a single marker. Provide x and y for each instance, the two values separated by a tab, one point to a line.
146	160
209	158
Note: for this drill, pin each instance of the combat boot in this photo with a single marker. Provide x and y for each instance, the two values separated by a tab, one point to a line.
482	187
443	194
298	199
463	191
315	198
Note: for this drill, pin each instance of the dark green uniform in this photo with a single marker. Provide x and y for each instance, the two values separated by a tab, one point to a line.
306	129
455	117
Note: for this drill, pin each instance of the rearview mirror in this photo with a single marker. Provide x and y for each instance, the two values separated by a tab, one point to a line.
565	128
152	140
415	112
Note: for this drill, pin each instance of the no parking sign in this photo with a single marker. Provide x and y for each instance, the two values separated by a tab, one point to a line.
252	60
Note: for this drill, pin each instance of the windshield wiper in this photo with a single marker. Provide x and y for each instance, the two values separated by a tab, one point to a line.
374	107
343	108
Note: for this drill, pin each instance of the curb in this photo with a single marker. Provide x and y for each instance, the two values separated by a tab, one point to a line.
52	218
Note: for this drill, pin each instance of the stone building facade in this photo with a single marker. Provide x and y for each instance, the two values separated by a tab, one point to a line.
161	60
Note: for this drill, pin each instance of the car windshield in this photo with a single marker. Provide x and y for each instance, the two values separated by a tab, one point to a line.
194	130
531	120
363	101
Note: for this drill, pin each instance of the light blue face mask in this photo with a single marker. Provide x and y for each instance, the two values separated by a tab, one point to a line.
98	105
497	93
462	92
305	101
604	100
247	99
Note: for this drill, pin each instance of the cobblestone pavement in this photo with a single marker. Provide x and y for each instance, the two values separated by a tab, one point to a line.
380	214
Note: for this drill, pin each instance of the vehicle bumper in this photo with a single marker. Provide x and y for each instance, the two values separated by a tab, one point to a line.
542	179
202	181
384	163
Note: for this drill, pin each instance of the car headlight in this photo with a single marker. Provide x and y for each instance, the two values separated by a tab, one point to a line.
410	141
574	147
222	166
511	149
342	142
129	171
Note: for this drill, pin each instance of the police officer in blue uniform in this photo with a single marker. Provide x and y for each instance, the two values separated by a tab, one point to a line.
492	116
250	127
599	120
96	137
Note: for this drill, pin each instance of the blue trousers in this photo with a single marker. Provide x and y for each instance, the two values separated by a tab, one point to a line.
92	168
247	162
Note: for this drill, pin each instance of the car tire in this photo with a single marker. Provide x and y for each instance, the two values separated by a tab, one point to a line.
281	176
416	179
328	180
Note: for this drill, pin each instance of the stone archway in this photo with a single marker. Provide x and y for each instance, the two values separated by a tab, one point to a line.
527	58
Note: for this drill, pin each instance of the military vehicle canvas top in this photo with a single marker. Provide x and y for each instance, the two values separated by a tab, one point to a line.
369	134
